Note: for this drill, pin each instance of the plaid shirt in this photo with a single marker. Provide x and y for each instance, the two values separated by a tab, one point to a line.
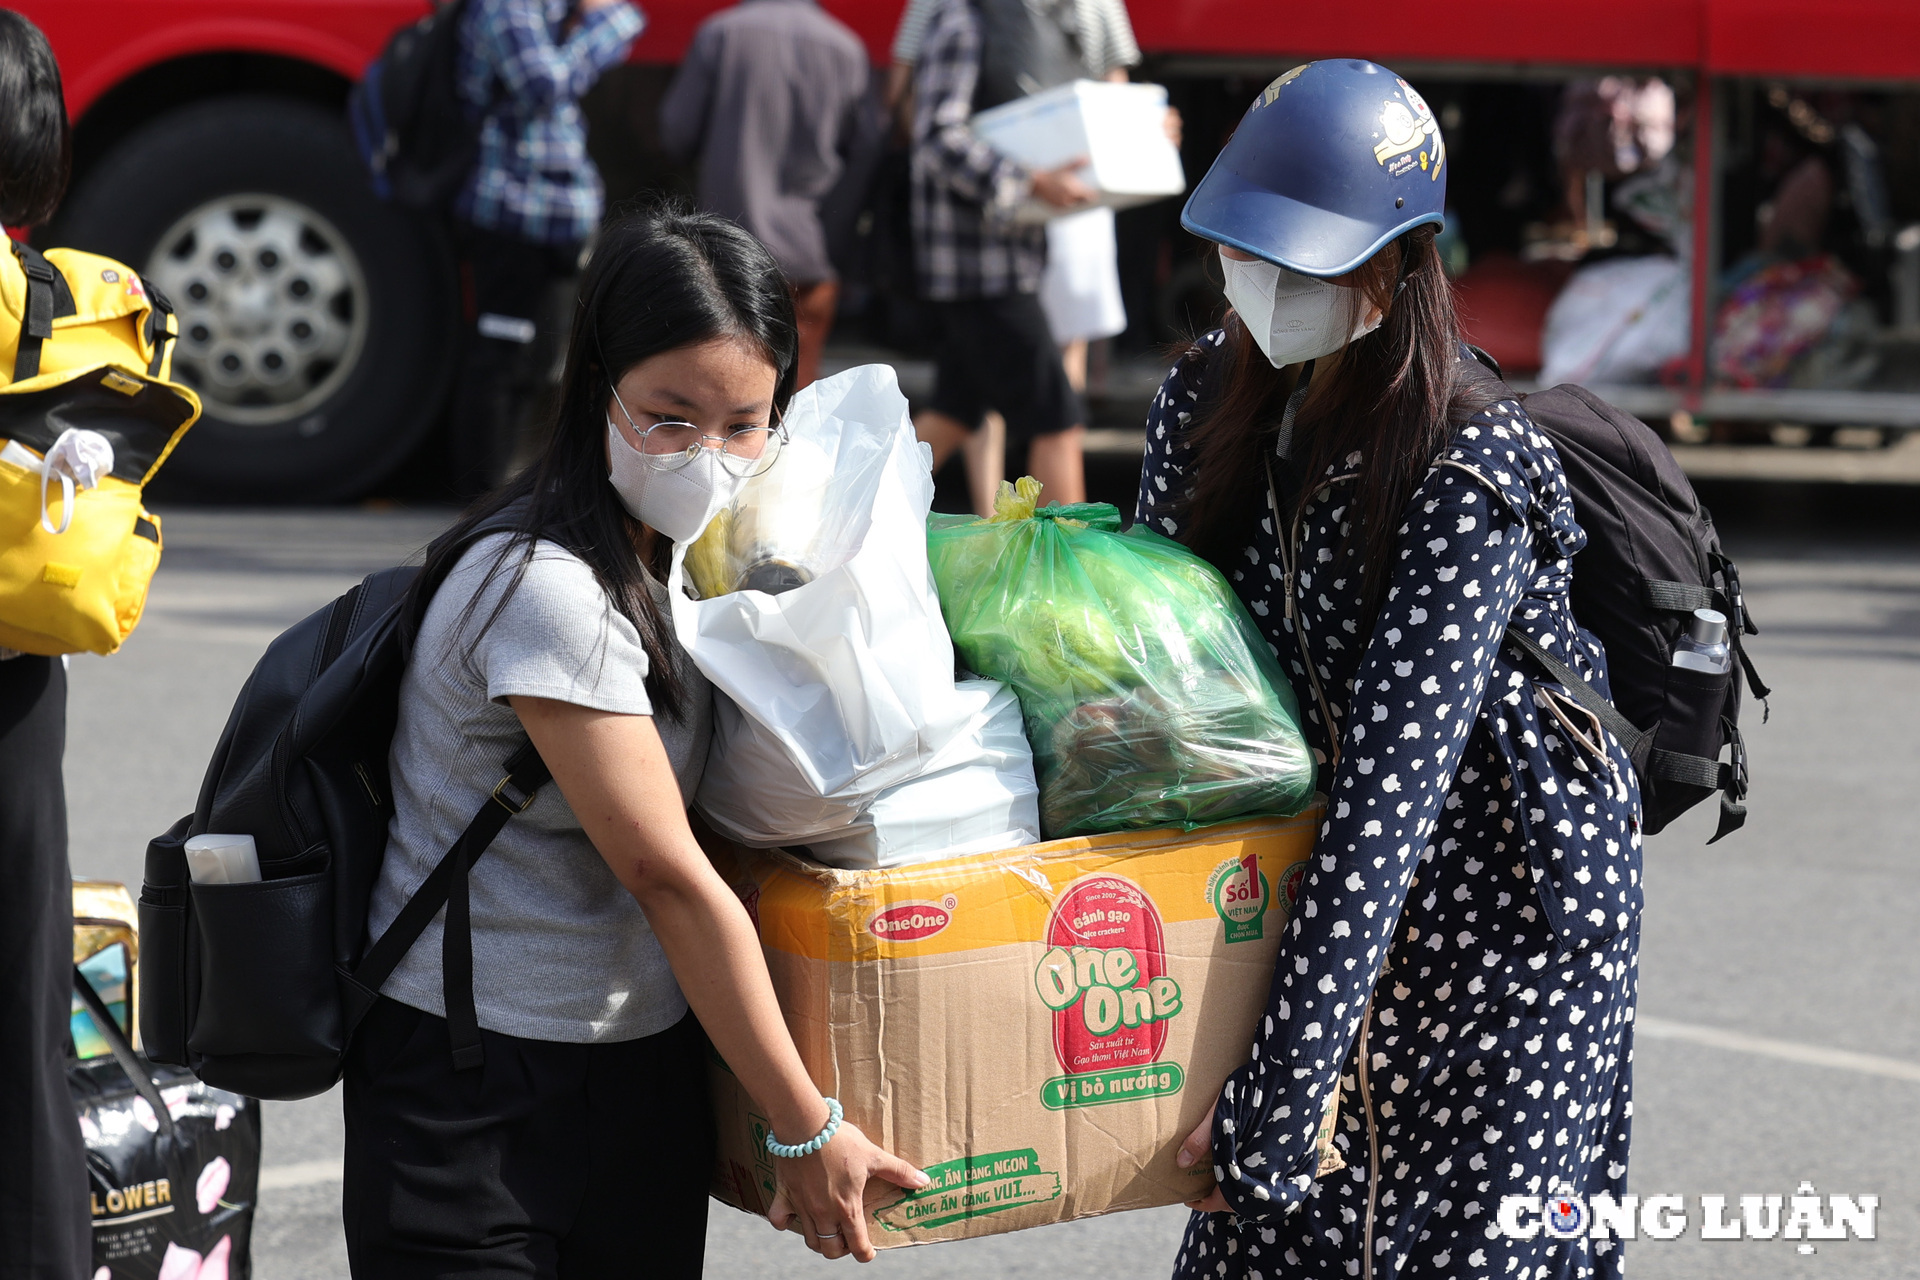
964	191
521	65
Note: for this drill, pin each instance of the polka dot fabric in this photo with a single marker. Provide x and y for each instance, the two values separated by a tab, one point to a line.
1474	899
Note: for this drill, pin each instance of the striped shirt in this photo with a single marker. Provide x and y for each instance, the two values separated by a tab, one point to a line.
526	64
1105	33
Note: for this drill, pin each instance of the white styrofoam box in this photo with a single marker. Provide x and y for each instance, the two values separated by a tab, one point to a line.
1120	128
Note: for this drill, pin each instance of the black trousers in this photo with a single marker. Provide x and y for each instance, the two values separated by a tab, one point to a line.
45	1230
505	283
998	353
562	1161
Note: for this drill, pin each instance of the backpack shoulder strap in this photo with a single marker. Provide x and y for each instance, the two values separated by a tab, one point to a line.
1478	368
1484	360
161	329
48	299
1632	737
1728	778
423	586
446	885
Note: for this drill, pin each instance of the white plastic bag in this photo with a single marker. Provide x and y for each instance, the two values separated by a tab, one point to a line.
840	688
986	799
1080	290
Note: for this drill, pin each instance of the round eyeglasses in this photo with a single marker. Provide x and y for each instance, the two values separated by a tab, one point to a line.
744	451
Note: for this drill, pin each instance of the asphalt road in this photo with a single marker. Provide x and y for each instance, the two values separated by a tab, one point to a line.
1780	1033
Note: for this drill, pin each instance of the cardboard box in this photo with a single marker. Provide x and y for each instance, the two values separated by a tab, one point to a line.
1120	128
1038	1028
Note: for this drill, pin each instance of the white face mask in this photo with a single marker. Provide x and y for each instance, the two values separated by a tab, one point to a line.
677	504
1294	317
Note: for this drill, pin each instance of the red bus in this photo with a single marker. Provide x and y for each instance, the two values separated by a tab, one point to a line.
210	151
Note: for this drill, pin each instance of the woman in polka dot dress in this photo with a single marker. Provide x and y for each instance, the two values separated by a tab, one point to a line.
1461	958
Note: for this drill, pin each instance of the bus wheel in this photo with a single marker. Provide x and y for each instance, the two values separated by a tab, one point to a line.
317	324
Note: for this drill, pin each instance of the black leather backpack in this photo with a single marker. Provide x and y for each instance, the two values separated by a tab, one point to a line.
1652	557
257	988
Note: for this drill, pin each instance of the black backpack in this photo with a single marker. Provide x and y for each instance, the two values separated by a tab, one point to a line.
257	988
416	137
1652	557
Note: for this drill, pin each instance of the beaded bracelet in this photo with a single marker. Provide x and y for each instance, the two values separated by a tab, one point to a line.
819	1140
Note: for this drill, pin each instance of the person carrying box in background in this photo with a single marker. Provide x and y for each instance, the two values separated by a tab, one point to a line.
1080	290
766	100
978	268
522	219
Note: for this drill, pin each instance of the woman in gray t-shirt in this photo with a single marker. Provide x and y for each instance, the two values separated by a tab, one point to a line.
580	1145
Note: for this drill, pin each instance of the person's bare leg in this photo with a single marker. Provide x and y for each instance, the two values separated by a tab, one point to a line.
941	433
1058	462
1073	357
813	307
986	453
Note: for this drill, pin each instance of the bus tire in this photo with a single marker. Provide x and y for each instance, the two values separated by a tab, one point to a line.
318	324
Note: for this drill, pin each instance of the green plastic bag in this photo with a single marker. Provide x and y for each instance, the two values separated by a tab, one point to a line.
1150	698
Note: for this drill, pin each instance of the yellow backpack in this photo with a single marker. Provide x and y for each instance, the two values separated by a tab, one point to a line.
90	348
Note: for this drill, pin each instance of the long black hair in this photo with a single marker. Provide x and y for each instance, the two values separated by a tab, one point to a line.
36	150
1391	396
659	279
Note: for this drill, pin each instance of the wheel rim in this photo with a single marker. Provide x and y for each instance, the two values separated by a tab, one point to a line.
272	305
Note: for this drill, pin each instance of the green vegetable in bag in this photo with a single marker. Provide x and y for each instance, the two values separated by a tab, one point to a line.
1150	698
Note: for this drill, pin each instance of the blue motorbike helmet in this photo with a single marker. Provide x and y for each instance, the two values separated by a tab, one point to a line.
1331	161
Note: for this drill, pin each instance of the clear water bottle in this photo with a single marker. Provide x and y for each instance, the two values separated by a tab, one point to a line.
1703	646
